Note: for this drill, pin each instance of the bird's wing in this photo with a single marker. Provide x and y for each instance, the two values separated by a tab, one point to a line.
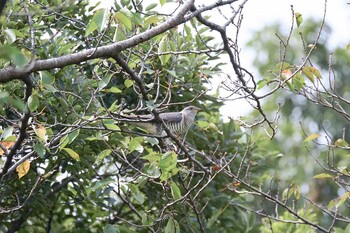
139	117
173	117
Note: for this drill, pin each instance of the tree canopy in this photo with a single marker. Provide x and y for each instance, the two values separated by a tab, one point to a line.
71	71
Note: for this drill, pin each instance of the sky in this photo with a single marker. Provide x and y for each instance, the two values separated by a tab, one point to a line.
260	13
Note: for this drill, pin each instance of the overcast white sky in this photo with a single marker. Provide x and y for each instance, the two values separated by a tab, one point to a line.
260	13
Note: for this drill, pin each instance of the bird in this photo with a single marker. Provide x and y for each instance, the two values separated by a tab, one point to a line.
178	123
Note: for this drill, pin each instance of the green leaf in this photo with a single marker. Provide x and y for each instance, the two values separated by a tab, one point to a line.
175	191
128	83
311	137
341	142
46	77
323	175
10	36
150	7
72	153
262	83
152	156
104	81
111	229
338	201
162	2
172	226
102	183
152	141
298	82
7	133
135	192
18	104
97	22
33	102
103	154
167	165
135	144
348	48
154	19
298	18
112	127
123	18
15	55
203	124
114	90
163	47
168	161
40	149
69	138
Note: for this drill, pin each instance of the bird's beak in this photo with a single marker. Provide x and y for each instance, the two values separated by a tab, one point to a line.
199	109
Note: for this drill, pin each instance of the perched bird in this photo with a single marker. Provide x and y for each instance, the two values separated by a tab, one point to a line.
177	122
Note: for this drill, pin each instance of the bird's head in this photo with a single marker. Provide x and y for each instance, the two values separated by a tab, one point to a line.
191	111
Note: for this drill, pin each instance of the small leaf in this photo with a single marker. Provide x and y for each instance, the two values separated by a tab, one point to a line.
111	229
97	22
150	7
175	191
102	183
152	156
114	90
104	81
172	226
316	72
311	137
203	124
7	133
123	18
33	102
40	149
128	83
298	18
307	71
41	133
23	168
338	201
10	36
152	141
135	144
162	2
135	192
163	47
341	142
112	127
103	154
323	175
72	153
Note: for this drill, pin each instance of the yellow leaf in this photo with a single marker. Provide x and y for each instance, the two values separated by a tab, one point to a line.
7	145
311	137
72	154
306	70
298	18
323	175
315	71
41	133
23	168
